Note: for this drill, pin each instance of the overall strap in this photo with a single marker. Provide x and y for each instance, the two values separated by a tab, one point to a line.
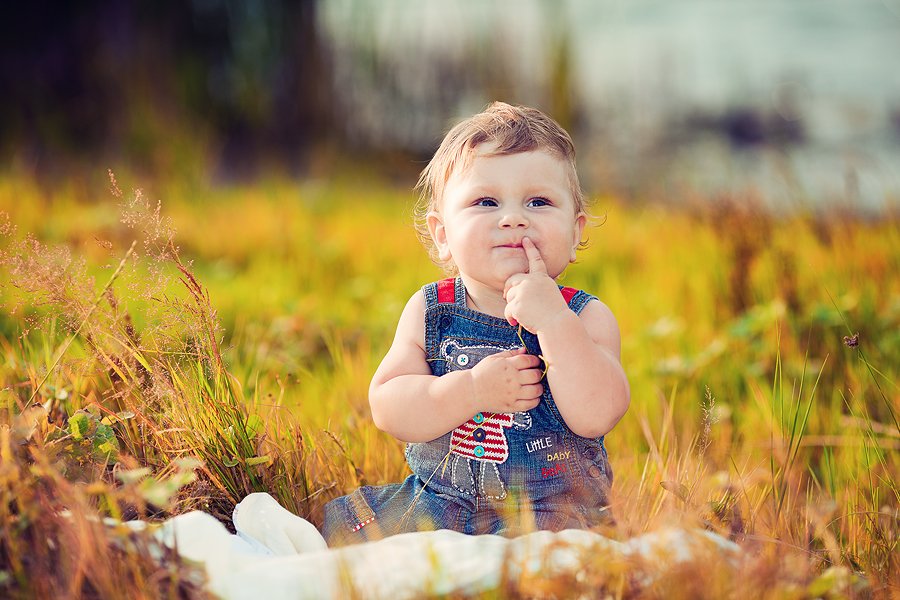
452	291
445	291
576	299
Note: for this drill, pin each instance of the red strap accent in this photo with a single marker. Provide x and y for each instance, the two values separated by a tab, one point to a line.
446	291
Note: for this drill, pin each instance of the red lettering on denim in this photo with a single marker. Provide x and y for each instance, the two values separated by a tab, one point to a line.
556	469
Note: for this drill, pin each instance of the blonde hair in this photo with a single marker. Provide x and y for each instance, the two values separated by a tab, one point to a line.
512	129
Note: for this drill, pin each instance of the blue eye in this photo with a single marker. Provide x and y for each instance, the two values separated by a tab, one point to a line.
485	202
535	202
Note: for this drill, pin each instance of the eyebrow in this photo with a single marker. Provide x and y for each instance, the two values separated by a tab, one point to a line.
483	190
533	192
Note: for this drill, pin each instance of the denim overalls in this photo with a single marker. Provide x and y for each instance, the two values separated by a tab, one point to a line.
477	478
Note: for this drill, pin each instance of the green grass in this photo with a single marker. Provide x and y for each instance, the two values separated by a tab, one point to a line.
243	328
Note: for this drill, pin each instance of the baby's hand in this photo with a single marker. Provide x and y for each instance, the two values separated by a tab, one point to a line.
533	299
507	382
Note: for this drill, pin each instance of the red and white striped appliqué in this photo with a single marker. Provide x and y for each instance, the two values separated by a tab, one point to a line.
362	524
482	437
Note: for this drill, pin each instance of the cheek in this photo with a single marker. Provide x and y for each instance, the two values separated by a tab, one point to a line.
465	232
458	245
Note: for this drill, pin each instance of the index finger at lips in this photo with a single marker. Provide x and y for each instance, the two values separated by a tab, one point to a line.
535	260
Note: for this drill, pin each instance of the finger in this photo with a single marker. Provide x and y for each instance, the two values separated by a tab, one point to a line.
514	279
508	313
526	405
535	261
530	376
527	361
531	391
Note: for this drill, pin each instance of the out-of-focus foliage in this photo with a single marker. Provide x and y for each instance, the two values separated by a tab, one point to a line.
174	87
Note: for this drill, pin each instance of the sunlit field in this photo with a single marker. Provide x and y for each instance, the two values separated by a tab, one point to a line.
178	348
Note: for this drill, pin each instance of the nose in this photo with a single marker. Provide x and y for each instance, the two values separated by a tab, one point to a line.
513	217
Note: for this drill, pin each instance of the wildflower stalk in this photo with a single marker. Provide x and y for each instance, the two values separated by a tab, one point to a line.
84	321
872	371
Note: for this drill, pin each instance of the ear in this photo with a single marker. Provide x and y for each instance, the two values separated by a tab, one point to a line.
580	222
438	234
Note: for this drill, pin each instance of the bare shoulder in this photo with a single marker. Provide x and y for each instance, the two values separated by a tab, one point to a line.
411	327
406	355
601	325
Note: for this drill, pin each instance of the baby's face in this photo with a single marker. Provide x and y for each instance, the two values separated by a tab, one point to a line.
487	209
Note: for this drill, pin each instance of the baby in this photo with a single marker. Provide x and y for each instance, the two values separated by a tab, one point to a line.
501	382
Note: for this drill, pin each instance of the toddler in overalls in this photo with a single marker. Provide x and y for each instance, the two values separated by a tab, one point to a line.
501	382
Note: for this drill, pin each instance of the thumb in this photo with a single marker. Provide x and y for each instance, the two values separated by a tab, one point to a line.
508	313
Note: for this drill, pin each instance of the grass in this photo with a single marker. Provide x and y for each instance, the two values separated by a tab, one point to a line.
231	350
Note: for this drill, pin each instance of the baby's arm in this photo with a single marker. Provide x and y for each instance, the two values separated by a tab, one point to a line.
413	405
582	351
588	382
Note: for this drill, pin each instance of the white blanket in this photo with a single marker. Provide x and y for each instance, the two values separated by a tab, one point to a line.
276	554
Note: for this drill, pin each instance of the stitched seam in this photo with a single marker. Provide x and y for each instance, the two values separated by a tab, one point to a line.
459	293
484	467
362	512
430	291
456	311
456	463
580	300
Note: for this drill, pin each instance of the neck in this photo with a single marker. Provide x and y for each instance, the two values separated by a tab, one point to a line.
485	299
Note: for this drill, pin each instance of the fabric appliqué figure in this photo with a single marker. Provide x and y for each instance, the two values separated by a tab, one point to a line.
479	445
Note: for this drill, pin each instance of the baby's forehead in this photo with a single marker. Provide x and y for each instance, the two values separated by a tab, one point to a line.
492	149
498	148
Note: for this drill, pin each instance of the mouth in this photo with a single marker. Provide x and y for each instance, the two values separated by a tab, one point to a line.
514	245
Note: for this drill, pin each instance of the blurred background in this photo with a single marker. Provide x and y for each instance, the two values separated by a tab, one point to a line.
797	102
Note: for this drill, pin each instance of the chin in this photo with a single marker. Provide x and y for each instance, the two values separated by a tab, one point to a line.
514	263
